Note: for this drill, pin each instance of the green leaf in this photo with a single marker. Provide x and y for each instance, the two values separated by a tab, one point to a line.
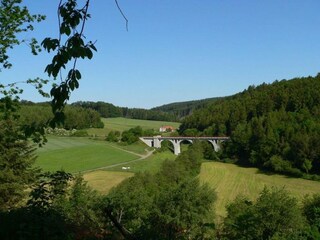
89	53
93	47
78	74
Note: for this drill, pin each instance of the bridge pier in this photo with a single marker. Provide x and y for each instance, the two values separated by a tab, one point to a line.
176	146
157	142
215	144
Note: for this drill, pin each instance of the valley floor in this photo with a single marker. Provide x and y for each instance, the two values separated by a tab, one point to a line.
102	163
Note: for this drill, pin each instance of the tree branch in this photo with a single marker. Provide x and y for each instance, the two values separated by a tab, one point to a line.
125	233
116	1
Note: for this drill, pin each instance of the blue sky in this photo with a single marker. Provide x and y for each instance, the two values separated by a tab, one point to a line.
180	50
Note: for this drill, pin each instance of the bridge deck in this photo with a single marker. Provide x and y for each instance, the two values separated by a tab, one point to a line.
188	138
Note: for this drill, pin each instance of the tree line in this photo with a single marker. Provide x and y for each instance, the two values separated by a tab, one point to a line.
272	126
108	110
40	114
183	109
131	135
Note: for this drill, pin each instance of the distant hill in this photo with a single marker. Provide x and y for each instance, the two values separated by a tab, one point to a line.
108	110
182	109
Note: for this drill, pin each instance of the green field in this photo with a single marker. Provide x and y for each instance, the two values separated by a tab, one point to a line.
138	147
151	164
79	154
230	180
82	154
121	124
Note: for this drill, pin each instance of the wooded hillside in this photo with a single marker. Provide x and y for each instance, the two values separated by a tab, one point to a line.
182	109
274	126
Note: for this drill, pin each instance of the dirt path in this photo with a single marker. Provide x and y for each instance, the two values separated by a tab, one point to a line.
142	157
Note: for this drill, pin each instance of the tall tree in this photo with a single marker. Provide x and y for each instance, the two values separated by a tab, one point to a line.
16	158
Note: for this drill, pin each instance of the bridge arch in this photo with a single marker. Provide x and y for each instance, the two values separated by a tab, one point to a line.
156	141
167	143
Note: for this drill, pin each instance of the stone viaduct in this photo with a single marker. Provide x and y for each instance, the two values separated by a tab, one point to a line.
155	141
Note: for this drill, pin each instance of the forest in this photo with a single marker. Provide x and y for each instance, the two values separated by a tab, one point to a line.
108	110
183	109
272	126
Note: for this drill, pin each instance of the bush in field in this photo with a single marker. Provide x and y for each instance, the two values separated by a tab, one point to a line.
80	133
113	136
132	135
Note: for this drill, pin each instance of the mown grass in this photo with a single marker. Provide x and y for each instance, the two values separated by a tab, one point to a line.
230	180
79	154
103	181
138	147
122	124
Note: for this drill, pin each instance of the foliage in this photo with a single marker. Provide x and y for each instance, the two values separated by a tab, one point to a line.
113	136
274	214
132	135
183	109
170	204
14	21
58	209
108	110
49	189
17	156
311	209
75	117
181	212
272	126
80	133
82	207
72	20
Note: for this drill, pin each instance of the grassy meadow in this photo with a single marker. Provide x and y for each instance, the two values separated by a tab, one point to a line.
79	154
230	180
103	181
122	124
151	164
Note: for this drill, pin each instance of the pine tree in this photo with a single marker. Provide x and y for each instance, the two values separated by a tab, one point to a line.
16	158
